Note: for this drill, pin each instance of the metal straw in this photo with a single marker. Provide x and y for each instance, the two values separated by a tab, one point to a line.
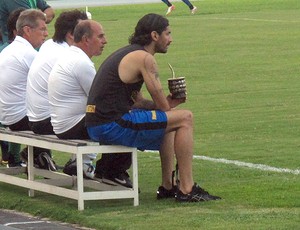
171	68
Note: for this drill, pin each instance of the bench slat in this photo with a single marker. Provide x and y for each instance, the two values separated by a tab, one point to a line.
78	148
51	138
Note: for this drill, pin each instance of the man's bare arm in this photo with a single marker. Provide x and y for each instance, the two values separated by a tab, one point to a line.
153	84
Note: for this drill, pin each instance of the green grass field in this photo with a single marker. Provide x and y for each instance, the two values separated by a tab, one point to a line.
241	62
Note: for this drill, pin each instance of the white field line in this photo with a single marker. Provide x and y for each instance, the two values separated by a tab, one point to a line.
22	223
251	19
245	164
249	165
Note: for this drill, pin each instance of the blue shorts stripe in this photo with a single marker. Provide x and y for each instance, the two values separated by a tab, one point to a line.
139	128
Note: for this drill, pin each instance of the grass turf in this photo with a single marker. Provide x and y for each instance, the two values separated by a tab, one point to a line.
240	59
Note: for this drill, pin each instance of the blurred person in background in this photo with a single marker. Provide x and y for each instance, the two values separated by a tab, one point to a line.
7	6
171	7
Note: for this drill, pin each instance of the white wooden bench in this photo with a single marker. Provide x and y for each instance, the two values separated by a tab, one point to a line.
74	187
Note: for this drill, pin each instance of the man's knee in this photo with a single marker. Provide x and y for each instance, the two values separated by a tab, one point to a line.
179	119
188	117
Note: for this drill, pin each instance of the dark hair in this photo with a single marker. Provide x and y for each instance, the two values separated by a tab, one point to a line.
146	25
12	21
65	23
81	29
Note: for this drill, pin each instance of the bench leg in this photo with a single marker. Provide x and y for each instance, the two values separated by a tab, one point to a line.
80	182
135	178
30	169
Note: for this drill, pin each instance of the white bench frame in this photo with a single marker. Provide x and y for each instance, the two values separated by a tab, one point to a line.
55	180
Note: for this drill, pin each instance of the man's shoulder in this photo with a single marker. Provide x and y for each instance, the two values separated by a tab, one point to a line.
139	55
53	47
129	48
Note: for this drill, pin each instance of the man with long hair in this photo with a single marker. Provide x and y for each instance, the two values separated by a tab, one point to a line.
117	112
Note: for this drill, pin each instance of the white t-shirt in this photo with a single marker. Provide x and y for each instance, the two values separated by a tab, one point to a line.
15	61
37	102
69	84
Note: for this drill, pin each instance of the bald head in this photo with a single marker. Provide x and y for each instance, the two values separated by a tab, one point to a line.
85	28
90	37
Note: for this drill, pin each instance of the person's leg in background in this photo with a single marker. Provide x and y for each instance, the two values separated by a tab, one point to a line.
23	125
171	7
10	153
191	6
14	154
4	151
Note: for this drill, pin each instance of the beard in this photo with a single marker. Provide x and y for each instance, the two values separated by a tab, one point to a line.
159	48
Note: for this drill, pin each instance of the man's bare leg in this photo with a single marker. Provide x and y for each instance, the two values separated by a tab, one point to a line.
181	121
167	156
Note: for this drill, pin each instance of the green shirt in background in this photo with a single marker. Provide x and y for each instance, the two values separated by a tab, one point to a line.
3	46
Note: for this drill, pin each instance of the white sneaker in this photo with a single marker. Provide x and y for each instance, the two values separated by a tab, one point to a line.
193	11
88	171
170	9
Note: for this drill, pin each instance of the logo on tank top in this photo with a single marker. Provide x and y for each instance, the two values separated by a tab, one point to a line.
91	108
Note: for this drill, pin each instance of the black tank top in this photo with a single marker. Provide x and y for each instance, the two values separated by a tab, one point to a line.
110	98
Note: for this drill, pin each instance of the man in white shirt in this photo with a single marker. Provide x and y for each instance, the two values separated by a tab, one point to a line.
69	85
15	61
37	101
11	150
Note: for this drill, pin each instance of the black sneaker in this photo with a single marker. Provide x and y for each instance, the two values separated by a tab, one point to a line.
16	164
70	168
12	162
44	161
24	155
163	193
121	179
196	195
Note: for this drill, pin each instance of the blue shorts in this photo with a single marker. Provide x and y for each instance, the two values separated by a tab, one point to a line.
143	129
